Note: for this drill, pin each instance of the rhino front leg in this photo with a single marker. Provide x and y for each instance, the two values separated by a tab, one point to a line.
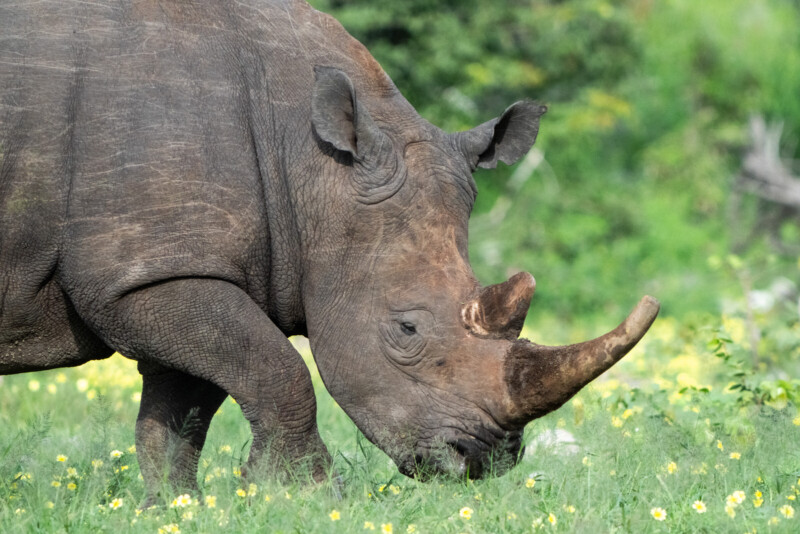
210	329
174	417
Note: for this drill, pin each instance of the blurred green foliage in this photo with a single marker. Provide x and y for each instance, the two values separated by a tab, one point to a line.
649	104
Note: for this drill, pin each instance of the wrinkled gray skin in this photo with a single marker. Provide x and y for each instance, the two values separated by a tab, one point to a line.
189	183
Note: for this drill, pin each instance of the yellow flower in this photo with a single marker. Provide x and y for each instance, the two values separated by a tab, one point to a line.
116	503
791	497
465	513
115	454
796	421
702	469
586	461
52	389
287	496
136	396
252	489
627	413
211	501
699	507
82	384
72	486
50	504
72	472
659	514
381	488
61	458
61	378
758	502
730	510
758	494
735	456
720	446
739	495
531	482
55	484
787	511
551	518
34	385
335	515
511	515
569	508
97	463
172	528
187	516
386	528
181	501
369	525
225	449
773	521
394	489
616	422
241	493
132	449
672	468
267	497
237	472
412	528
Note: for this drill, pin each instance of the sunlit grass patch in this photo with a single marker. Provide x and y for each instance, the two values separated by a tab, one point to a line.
643	449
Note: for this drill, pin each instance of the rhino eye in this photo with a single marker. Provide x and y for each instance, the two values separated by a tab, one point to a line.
408	328
405	334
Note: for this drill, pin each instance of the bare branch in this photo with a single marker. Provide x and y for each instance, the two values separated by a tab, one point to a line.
763	173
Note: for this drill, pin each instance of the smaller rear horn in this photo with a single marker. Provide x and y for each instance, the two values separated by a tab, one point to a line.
499	311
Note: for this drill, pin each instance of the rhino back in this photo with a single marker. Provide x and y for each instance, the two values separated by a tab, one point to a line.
156	139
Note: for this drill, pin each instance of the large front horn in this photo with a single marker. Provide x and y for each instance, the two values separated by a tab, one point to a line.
541	378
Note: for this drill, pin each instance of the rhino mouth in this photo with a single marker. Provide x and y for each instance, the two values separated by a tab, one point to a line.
464	457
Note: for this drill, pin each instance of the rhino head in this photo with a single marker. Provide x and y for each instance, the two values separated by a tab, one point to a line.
425	361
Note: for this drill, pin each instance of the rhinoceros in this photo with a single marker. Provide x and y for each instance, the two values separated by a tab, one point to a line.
188	183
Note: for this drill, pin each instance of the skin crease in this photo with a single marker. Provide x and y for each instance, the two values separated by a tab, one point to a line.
189	183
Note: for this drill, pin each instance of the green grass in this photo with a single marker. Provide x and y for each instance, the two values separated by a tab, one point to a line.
658	431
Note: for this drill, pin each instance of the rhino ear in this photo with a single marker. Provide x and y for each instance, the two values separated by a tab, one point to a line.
506	138
338	117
